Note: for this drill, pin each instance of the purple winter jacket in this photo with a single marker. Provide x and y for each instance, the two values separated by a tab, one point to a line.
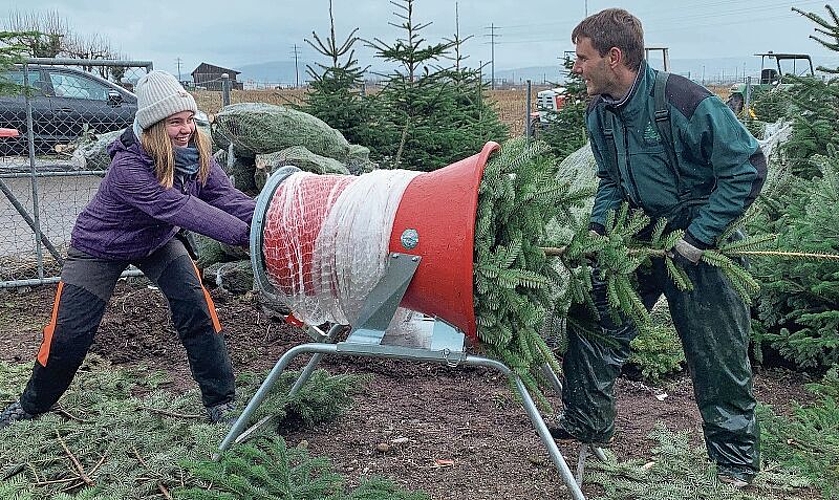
132	215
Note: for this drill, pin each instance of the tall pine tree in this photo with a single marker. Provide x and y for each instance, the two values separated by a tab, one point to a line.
427	116
798	306
336	94
565	131
815	104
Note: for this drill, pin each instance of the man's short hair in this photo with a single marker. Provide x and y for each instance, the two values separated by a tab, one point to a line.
613	28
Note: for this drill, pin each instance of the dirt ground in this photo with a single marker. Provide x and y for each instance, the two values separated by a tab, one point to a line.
451	432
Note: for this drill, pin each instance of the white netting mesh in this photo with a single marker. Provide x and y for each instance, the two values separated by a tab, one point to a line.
326	240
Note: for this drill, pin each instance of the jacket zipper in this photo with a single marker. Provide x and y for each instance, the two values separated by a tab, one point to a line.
629	172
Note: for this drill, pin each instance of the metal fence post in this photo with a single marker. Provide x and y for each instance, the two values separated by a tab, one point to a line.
30	133
225	89
528	131
747	99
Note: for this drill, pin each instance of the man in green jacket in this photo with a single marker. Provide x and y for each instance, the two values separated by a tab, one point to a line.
701	179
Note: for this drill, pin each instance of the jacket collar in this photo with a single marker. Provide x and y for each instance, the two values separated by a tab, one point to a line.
128	143
635	101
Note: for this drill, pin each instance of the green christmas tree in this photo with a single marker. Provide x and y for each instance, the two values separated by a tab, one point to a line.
565	129
336	94
426	116
11	52
798	307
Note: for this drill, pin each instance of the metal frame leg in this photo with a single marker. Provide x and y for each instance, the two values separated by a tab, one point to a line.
265	388
304	376
553	378
538	423
313	363
581	462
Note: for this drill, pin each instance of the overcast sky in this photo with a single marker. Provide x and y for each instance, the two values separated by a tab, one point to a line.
233	33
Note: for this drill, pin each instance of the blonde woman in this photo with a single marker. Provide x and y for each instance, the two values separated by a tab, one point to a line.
162	179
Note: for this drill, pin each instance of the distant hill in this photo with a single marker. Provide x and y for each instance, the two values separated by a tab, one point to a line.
709	71
272	73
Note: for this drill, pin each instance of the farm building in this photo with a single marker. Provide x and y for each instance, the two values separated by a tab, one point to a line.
208	76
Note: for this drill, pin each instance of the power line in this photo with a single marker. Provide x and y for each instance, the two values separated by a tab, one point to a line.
492	36
730	16
680	17
663	29
719	9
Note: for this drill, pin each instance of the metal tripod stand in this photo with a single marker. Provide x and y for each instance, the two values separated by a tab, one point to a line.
444	345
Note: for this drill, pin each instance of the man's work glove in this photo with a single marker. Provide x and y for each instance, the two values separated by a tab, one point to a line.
686	252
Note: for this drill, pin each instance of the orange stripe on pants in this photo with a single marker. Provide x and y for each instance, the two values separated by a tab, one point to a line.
210	304
49	330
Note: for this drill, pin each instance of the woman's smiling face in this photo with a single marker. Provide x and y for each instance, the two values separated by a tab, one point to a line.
180	127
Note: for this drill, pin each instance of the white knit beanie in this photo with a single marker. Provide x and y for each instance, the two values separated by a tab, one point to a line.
159	95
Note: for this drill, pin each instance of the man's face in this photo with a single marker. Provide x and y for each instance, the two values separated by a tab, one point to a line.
592	67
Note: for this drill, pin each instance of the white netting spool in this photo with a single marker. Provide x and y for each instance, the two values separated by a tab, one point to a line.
326	240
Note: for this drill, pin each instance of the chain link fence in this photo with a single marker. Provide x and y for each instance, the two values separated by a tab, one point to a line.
53	135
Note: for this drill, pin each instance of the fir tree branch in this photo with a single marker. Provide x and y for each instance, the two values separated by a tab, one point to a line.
160	486
169	413
55	481
555	251
561	251
76	463
67	414
782	254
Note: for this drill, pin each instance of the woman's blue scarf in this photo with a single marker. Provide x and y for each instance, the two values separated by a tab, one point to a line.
186	160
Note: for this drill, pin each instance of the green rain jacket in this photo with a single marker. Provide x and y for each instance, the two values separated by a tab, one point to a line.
720	170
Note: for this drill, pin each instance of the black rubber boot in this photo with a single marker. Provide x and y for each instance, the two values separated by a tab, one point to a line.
14	413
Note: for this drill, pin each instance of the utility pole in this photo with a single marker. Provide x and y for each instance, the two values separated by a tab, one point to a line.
178	62
586	8
457	37
492	36
296	68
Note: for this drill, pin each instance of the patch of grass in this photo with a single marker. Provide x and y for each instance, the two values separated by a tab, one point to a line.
23	320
